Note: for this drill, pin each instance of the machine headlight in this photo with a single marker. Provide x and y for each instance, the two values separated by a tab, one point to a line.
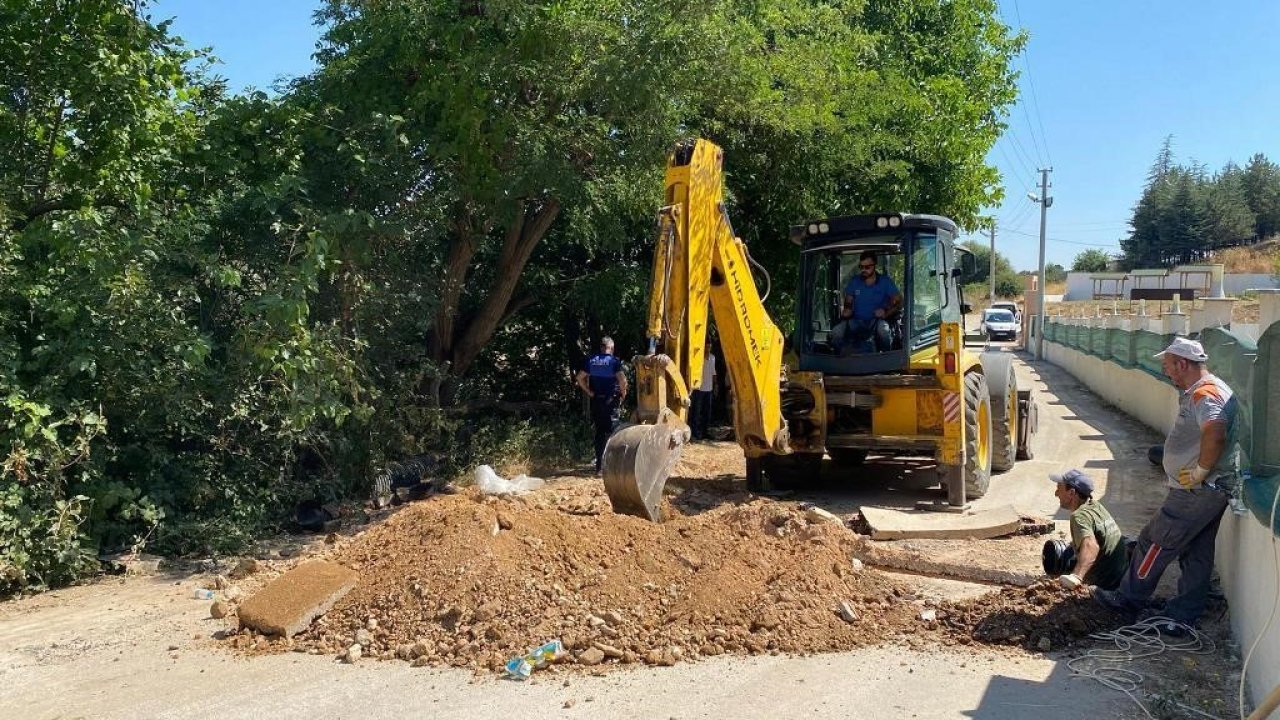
882	222
823	227
895	221
813	228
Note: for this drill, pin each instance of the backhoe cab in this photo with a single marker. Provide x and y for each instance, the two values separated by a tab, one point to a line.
904	385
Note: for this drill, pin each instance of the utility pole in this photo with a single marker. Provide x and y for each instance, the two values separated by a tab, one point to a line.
1045	203
993	259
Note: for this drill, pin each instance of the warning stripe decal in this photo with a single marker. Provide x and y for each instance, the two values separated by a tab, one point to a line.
951	407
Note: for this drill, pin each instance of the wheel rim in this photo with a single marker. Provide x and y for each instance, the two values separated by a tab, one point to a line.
984	434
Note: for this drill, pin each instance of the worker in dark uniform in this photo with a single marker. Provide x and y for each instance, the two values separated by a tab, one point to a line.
603	380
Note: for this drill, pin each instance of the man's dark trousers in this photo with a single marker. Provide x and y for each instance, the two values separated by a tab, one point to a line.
604	416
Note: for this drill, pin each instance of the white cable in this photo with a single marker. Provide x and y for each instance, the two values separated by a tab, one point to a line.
1133	642
1275	600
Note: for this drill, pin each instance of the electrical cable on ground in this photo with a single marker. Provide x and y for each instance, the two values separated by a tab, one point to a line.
1133	642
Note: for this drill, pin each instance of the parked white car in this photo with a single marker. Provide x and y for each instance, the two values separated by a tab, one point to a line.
1010	306
998	323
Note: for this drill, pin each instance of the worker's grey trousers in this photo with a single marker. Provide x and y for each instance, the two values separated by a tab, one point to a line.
1184	528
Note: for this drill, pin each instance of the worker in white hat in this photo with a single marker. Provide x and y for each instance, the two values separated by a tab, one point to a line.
1200	465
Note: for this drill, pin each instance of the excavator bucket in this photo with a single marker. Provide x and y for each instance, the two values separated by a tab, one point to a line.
637	462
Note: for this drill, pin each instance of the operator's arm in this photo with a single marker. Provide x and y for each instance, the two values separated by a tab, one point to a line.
895	303
622	383
893	299
846	310
1087	556
582	383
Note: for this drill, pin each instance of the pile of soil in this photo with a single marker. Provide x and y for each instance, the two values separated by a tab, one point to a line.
1041	617
471	580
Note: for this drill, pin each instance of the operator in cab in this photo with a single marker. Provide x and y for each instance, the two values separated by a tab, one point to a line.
869	299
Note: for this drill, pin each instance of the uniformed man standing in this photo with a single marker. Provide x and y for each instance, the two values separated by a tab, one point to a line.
603	380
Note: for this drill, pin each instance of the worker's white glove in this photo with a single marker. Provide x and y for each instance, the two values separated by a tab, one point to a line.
1192	477
1070	581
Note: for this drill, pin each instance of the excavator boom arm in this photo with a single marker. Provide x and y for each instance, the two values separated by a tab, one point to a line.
698	265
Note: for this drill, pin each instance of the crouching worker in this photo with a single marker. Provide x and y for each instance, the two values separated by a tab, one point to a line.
1097	554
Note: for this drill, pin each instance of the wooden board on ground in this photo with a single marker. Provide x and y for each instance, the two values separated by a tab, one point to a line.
898	525
288	604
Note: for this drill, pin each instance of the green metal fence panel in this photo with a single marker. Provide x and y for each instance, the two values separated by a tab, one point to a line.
1231	357
1145	346
1259	496
1266	404
1120	347
1098	342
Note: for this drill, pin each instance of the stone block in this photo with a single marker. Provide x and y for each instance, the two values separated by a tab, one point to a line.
288	604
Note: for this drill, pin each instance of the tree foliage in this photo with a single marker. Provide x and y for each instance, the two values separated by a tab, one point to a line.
1091	260
1008	283
215	305
1185	213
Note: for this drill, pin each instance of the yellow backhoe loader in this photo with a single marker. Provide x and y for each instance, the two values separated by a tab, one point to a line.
908	386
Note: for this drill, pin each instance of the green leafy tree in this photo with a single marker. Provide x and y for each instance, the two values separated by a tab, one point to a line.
1184	213
524	158
1091	260
1260	183
95	102
1008	283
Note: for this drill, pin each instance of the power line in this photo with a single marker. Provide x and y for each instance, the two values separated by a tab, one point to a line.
1047	157
1018	148
1026	63
1018	214
1012	166
1102	224
1059	240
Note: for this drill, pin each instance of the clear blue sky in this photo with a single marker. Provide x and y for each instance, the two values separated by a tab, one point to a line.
1103	82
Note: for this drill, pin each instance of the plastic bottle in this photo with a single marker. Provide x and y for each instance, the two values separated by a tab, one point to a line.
522	666
202	594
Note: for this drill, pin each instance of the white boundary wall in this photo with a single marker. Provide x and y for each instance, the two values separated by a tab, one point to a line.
1246	559
1080	286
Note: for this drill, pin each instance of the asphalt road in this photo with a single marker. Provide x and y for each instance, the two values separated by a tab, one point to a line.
140	647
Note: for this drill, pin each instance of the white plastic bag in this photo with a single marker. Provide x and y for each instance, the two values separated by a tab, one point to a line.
491	483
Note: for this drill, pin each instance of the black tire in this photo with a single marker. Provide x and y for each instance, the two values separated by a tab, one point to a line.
847	457
977	425
1032	421
1002	384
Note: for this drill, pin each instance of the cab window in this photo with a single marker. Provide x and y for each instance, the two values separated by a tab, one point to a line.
926	280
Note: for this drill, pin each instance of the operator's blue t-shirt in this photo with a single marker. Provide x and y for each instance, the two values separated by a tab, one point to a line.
602	370
868	298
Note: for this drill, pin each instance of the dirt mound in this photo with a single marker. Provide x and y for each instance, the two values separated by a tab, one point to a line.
1042	617
469	580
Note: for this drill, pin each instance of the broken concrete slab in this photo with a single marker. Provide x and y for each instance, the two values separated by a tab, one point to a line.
897	525
1005	561
288	604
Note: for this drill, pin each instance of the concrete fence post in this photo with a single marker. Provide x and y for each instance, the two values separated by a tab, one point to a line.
1216	312
1268	309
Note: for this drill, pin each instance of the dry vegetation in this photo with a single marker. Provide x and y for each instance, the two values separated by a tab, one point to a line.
1261	258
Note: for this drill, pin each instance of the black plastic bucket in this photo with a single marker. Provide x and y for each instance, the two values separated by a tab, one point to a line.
1057	557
